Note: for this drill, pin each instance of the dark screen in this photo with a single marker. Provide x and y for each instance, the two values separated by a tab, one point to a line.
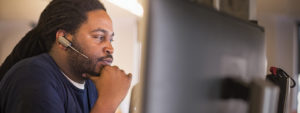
189	49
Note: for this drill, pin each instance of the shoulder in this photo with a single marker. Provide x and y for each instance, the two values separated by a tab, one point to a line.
42	61
29	83
40	66
35	70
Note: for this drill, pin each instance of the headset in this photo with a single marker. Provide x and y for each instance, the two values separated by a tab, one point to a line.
66	43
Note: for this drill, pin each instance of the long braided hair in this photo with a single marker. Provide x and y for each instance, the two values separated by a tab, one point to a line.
59	14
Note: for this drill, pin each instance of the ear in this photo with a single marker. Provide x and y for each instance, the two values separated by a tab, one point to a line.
60	33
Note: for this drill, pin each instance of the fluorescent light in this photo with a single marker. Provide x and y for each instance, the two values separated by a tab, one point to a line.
130	5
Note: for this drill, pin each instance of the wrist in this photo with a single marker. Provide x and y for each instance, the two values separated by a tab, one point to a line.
103	105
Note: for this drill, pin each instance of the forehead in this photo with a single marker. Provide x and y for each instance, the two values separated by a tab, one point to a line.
97	19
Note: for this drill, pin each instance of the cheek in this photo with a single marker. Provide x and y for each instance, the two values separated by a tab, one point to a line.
95	54
95	51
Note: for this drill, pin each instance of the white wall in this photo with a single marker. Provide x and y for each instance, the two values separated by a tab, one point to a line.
279	23
10	34
15	19
279	18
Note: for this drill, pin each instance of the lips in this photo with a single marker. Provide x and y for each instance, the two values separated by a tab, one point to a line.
107	61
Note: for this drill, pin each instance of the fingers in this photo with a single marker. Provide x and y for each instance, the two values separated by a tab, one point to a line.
129	75
122	71
114	67
108	68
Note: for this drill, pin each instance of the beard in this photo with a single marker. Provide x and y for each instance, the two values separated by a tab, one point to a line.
80	64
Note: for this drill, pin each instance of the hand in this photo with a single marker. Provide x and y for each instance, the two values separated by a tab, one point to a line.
112	85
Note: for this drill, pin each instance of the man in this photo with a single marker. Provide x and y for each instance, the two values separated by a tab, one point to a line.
44	75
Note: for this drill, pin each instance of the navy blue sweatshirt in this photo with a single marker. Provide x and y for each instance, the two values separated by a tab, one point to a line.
36	85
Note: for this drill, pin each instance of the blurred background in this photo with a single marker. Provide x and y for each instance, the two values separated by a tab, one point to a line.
279	18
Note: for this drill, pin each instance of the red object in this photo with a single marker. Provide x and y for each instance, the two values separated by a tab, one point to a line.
273	70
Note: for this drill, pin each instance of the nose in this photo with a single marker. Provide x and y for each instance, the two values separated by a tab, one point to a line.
109	50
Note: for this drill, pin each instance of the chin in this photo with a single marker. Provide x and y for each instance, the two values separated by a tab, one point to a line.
99	68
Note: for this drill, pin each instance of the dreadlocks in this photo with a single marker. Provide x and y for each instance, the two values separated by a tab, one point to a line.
67	15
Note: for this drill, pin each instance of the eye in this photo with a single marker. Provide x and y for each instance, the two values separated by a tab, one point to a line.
99	37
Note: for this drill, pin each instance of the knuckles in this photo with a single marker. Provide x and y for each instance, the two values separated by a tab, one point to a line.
116	71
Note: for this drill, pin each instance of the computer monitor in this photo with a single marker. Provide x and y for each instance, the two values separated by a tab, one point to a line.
189	49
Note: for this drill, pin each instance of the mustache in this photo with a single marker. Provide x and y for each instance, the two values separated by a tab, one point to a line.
105	57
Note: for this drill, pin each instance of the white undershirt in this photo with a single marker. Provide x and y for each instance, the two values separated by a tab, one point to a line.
78	85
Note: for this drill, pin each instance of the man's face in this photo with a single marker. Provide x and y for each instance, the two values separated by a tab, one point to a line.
93	39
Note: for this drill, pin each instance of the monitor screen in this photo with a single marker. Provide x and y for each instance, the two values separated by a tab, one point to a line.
189	49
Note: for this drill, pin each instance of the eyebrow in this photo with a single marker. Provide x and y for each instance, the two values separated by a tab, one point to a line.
102	30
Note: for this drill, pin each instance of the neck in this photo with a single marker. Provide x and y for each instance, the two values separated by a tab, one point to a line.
62	62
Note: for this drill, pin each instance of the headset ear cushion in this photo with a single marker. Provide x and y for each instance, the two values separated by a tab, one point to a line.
62	40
